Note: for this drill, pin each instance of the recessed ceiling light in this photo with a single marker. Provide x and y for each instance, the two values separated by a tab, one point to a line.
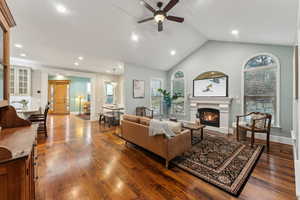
19	46
173	52
235	32
142	2
134	37
80	58
107	71
61	8
23	54
76	63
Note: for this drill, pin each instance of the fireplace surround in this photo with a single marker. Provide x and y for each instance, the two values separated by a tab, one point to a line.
216	104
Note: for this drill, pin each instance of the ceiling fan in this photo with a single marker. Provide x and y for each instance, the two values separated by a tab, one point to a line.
161	14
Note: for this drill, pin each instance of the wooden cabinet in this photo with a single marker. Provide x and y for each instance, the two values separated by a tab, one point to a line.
20	81
6	23
18	172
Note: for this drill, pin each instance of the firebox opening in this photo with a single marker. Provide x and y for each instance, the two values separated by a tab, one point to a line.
209	116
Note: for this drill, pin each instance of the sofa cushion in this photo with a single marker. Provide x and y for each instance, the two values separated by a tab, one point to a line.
131	118
145	121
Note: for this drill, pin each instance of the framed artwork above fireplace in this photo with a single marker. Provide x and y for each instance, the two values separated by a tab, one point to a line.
211	84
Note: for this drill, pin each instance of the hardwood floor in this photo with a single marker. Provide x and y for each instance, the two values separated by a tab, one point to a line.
82	160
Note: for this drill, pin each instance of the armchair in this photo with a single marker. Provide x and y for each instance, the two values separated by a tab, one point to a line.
259	123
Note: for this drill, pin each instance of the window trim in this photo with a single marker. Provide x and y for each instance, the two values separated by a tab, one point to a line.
185	90
278	83
162	86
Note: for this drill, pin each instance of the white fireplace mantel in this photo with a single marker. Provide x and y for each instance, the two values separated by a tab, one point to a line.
220	103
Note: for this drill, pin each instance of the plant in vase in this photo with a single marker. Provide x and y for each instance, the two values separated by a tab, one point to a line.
167	100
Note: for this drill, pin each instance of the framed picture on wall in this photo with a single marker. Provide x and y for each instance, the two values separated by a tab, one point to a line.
211	84
138	89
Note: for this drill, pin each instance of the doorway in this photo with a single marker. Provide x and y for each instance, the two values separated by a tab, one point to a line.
58	95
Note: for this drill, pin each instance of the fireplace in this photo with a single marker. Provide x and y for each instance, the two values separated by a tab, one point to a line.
209	116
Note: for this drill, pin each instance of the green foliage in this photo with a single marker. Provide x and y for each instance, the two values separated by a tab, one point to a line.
167	97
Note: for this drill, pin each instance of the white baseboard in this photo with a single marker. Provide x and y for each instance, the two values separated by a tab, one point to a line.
273	138
262	136
74	113
222	130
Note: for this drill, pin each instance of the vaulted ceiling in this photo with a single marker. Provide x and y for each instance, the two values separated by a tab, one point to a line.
101	30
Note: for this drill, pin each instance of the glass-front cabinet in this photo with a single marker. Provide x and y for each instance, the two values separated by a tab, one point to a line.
20	81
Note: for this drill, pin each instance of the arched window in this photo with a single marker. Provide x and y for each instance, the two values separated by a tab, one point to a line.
178	87
261	86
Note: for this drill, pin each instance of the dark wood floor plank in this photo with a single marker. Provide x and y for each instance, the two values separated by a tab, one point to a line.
86	161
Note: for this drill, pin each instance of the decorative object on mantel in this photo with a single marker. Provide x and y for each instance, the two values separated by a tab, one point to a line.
220	162
211	83
138	89
167	100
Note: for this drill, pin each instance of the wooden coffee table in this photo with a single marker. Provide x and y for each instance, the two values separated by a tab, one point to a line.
194	127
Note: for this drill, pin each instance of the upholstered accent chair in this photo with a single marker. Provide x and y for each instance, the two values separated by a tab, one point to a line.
256	122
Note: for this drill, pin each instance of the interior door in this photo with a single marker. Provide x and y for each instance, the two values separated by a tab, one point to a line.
59	97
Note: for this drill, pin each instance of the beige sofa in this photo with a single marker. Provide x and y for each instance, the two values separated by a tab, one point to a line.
134	129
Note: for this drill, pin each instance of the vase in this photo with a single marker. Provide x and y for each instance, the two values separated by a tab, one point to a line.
166	110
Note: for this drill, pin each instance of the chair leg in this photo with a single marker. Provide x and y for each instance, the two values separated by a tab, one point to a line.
252	139
167	164
268	141
45	126
237	134
100	116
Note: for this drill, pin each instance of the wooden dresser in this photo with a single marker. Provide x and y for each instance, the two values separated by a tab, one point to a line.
18	159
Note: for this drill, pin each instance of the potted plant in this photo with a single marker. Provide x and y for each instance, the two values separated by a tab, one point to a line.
167	100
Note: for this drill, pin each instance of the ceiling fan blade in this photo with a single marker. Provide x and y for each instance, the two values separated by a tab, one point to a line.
175	19
170	5
148	6
145	20
160	26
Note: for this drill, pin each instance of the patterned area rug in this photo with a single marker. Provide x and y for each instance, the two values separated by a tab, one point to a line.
223	163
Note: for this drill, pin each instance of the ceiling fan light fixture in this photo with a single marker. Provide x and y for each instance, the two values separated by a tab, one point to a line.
159	18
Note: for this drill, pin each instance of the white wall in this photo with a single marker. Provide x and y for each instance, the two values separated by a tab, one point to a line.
133	72
296	127
100	89
40	82
229	57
